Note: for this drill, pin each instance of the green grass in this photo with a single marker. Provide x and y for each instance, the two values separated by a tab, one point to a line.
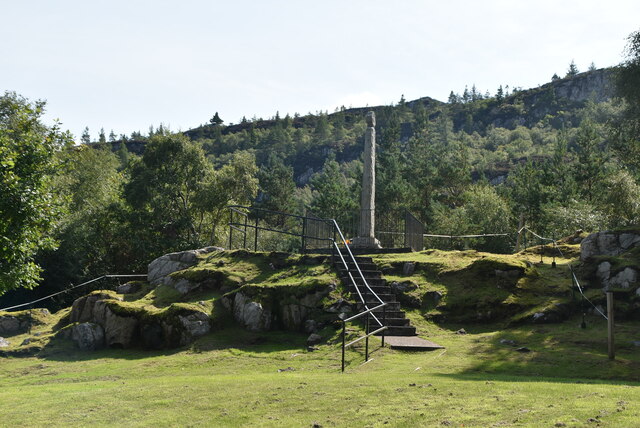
235	378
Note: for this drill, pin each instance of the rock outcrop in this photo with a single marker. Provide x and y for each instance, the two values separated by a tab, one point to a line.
88	336
161	267
607	243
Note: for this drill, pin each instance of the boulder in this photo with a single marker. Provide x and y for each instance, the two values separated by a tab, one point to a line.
251	315
128	288
173	262
153	336
623	279
402	287
510	275
194	325
314	339
408	268
434	297
10	325
4	342
88	336
181	285
82	309
119	330
310	326
546	317
607	243
603	272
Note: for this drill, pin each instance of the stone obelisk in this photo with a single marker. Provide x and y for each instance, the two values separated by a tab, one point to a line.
366	233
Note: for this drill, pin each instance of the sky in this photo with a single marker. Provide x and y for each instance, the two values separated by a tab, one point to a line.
126	65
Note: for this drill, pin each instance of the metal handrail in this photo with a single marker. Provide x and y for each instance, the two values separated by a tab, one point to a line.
354	262
72	288
367	332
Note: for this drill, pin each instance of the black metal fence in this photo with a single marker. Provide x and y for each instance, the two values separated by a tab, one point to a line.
262	230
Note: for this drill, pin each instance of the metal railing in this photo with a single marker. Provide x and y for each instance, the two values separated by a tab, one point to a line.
10	308
367	332
325	231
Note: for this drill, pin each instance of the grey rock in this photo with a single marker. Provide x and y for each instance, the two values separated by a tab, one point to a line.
508	274
251	315
128	288
195	325
119	330
434	296
523	349
9	325
4	342
310	326
26	341
629	240
403	287
408	268
636	343
461	331
624	279
604	271
508	342
314	339
153	336
546	317
607	243
88	336
173	262
82	309
181	285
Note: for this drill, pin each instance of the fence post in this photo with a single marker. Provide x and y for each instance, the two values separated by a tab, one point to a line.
344	329
384	322
230	228
366	340
244	240
304	232
610	341
255	239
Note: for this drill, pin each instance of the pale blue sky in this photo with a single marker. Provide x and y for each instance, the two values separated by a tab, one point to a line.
125	65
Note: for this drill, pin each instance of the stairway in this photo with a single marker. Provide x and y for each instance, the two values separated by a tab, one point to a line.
395	319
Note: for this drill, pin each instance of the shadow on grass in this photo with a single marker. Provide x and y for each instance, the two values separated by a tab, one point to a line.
59	349
555	352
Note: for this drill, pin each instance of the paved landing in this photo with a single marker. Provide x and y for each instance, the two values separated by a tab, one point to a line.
411	343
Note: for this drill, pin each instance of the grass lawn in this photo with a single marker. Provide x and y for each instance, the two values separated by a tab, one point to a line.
236	378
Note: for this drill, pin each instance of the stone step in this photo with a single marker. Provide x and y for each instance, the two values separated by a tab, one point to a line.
371	281
352	266
378	289
405	330
359	259
356	274
391	307
373	324
390	314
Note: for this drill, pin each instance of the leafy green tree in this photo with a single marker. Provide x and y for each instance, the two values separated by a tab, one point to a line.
28	206
163	188
625	130
102	137
591	159
335	195
276	185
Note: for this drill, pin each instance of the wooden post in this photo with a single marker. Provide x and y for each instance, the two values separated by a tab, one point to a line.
610	341
520	226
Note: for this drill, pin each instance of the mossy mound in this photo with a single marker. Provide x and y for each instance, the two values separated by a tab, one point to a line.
470	286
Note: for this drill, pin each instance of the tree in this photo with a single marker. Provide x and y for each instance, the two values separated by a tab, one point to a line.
112	137
102	138
572	70
625	130
592	66
28	206
215	120
500	94
86	137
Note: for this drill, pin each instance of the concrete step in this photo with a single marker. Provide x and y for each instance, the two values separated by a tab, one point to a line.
391	307
405	330
371	281
352	266
356	274
378	289
387	321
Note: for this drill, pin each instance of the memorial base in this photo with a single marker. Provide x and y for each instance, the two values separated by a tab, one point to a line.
365	242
